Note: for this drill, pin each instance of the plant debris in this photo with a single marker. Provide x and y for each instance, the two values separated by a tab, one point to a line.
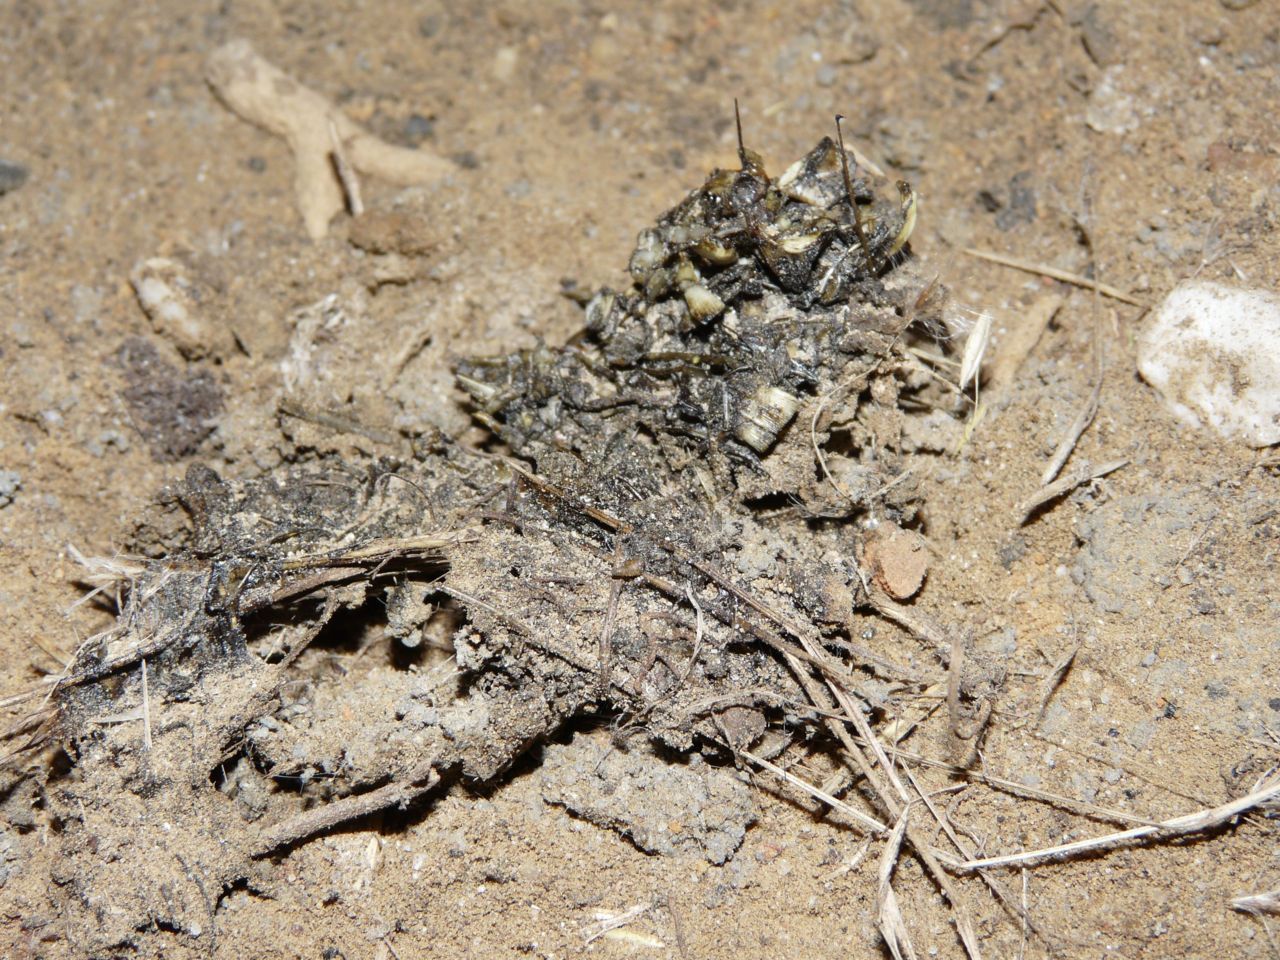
326	144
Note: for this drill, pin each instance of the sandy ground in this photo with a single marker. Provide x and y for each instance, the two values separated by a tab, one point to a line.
1136	141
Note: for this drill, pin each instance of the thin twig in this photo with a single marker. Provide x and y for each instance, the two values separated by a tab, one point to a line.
346	173
892	927
1083	474
399	792
851	862
834	803
1052	682
1022	790
1177	827
1019	338
1082	420
1257	903
1063	275
146	708
609	922
1003	895
1208	525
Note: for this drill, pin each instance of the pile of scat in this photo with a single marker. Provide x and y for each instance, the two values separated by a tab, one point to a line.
667	527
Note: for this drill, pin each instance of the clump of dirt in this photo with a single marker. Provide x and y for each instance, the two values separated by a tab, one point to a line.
667	808
175	411
656	528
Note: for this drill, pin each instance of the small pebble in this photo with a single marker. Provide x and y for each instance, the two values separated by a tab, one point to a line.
10	483
504	64
518	189
418	128
12	176
898	560
1141	735
1111	109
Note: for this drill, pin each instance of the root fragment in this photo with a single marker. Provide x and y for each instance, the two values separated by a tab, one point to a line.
266	96
399	793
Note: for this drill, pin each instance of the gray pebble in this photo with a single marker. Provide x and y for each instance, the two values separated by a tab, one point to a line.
107	440
1216	690
518	189
1141	735
1084	787
10	482
418	128
12	176
458	844
1099	39
9	853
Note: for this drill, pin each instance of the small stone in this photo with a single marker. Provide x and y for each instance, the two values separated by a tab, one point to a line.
394	231
1111	109
1141	735
1099	39
518	189
897	560
10	482
12	176
504	64
1213	353
418	128
1022	202
1217	690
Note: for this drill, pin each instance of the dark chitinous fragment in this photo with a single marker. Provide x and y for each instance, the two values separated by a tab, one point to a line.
750	299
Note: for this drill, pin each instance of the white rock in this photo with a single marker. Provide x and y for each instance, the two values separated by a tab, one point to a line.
1111	109
1213	352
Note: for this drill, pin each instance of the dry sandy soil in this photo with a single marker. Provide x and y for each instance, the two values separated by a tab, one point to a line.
1136	142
